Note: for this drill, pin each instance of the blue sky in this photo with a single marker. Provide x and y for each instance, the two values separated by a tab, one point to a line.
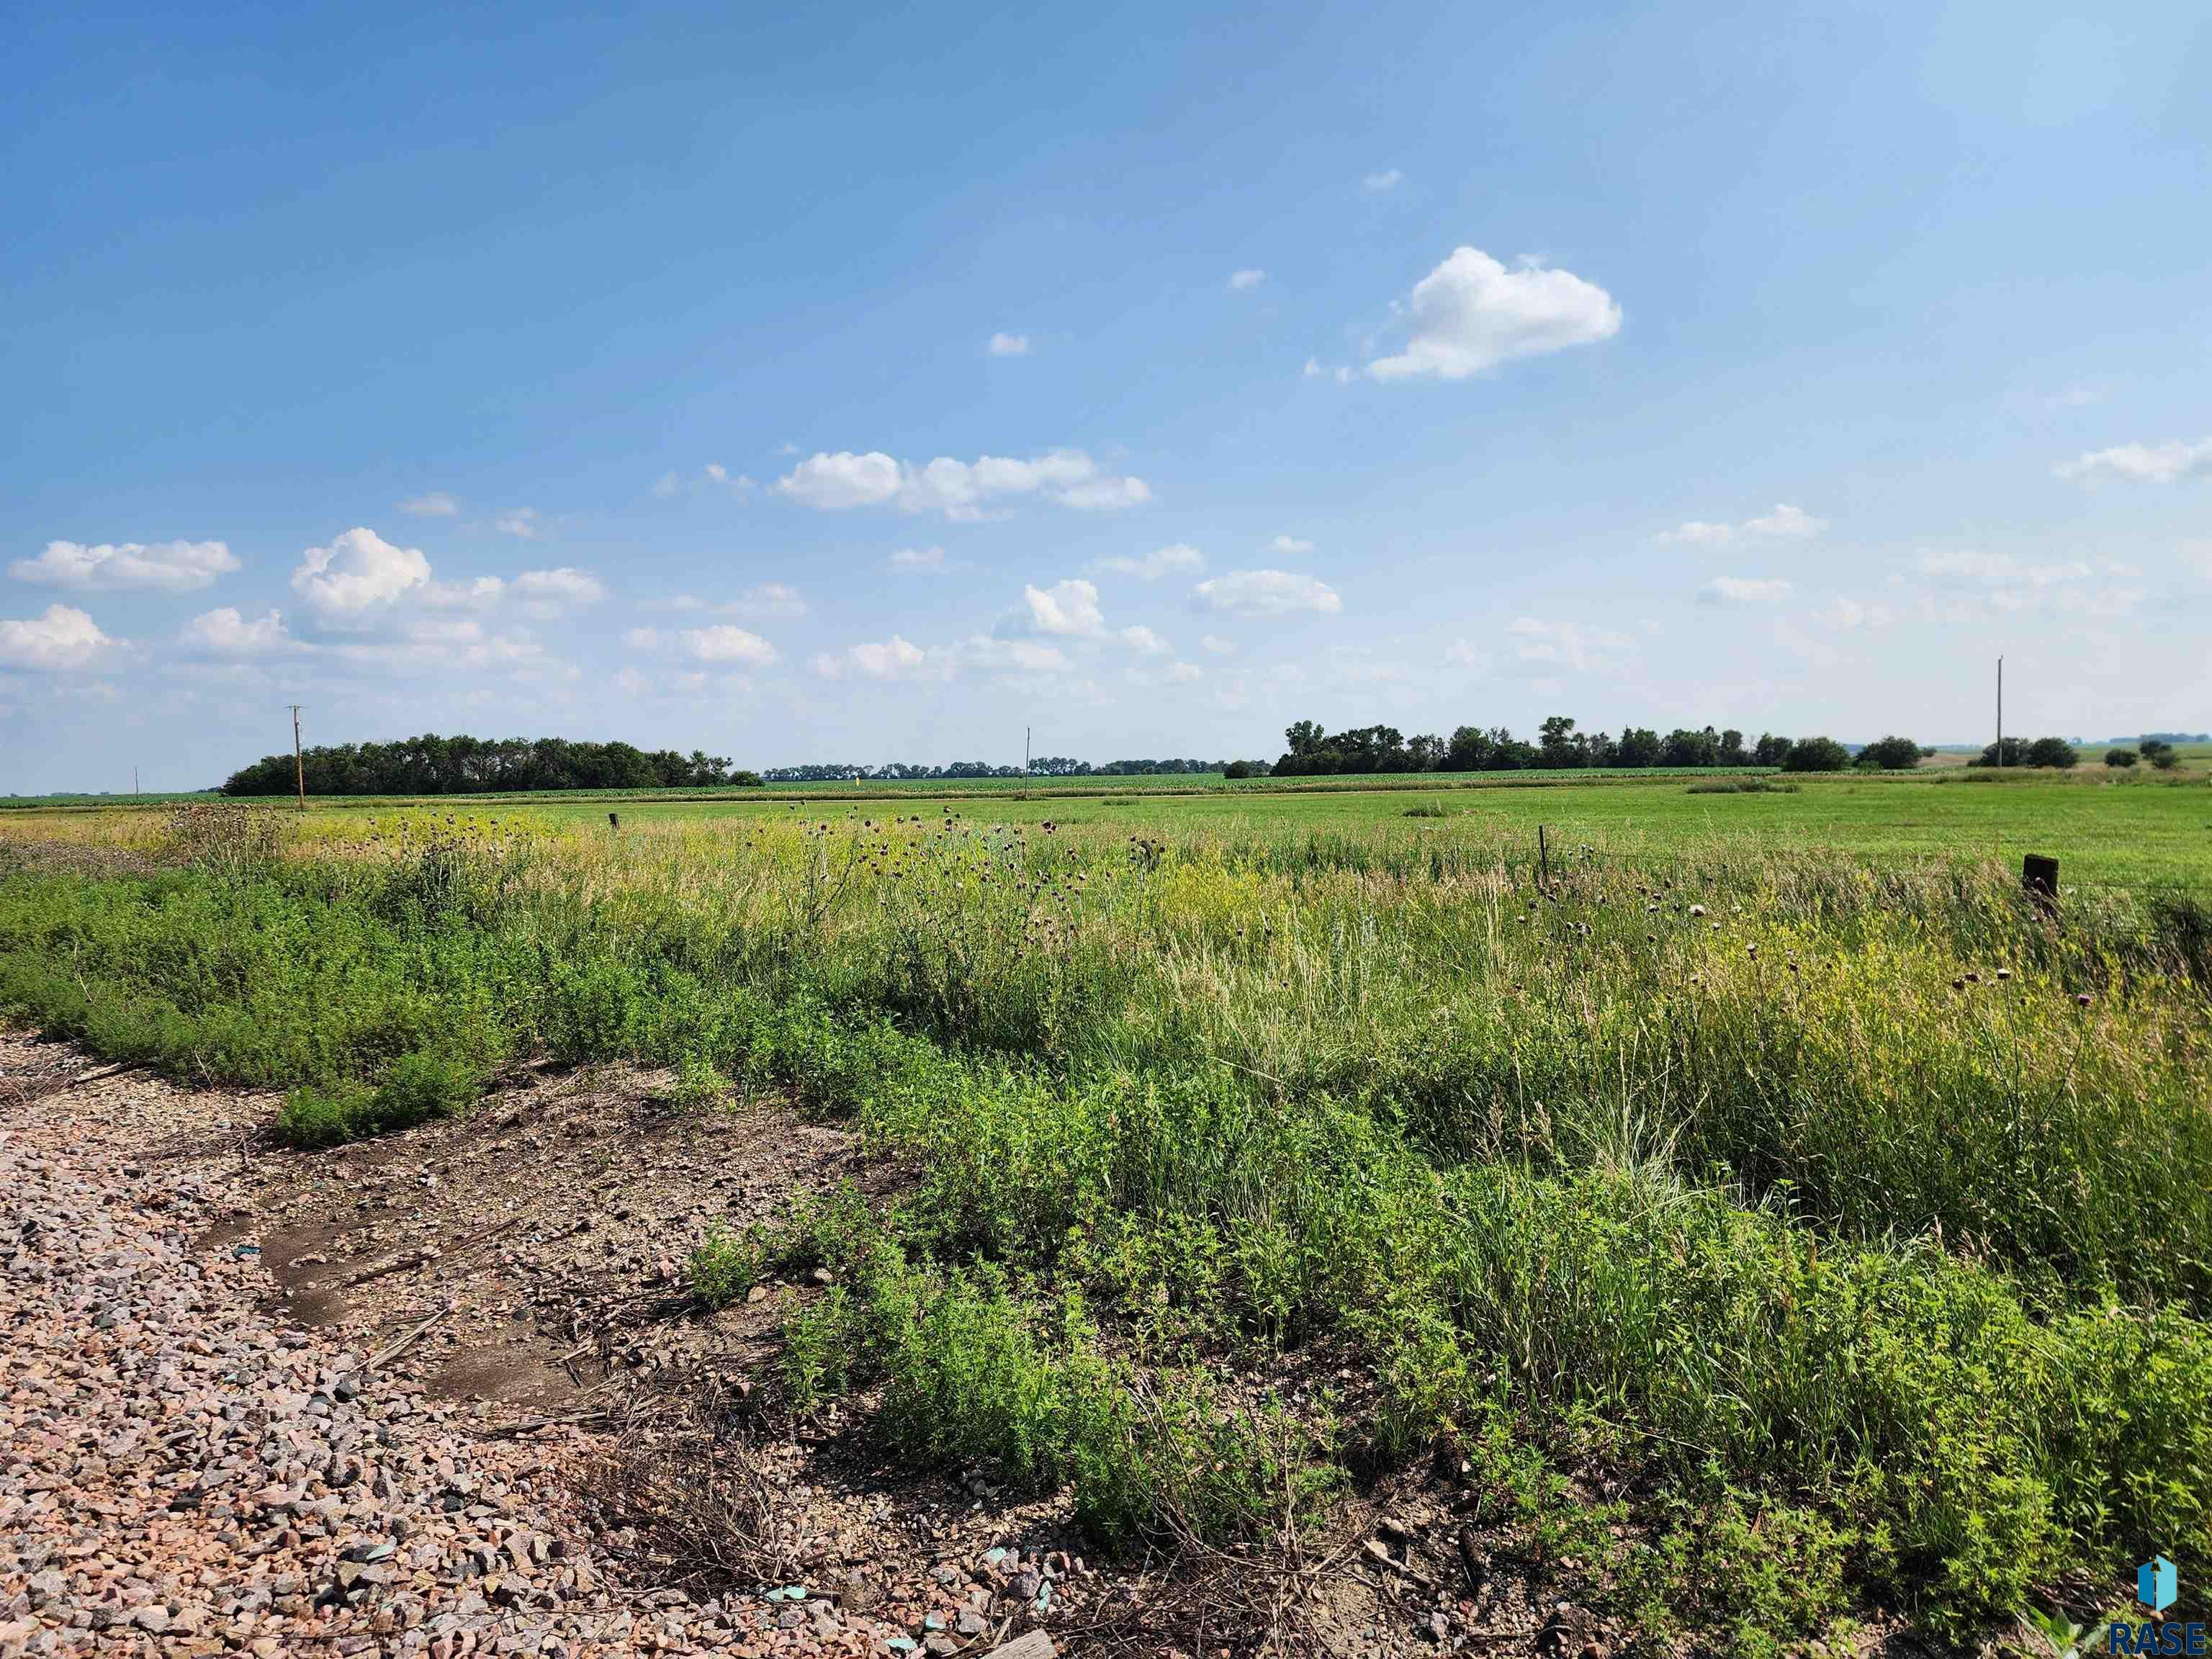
867	387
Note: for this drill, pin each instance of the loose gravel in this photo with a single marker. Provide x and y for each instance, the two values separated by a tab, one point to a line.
186	1470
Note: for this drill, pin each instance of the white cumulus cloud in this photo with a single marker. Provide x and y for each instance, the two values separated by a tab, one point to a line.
522	521
225	633
1266	594
768	600
1471	314
1160	562
547	590
723	643
358	576
1243	282
1785	524
2164	463
1069	610
919	561
1010	345
167	566
720	643
1145	642
956	488
61	639
1376	183
894	659
431	504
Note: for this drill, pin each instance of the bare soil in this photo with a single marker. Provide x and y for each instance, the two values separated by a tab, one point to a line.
477	1330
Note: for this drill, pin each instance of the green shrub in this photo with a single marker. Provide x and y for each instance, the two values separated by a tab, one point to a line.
723	1266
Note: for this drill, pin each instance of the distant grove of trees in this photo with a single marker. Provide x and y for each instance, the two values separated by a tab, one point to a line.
2157	751
2039	751
1562	745
1047	766
432	765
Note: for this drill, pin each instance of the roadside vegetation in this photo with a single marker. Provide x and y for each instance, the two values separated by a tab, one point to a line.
1848	1224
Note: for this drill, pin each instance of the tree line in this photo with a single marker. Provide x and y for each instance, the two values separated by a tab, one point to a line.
1045	766
432	765
1560	743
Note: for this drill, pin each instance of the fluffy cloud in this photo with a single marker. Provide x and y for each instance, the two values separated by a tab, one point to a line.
1216	644
1289	546
892	658
721	643
955	488
62	640
1243	282
225	633
1010	345
768	600
2140	463
1160	562
1376	183
1785	524
1106	495
547	590
1266	594
1069	610
168	566
523	522
433	504
1741	590
920	561
1543	649
1145	642
1471	314
359	576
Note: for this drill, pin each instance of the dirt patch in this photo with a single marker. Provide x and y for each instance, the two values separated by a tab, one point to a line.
502	1292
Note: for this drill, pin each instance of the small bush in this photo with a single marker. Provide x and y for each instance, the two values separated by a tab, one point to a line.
2120	757
723	1266
1742	786
700	1086
421	1086
1429	809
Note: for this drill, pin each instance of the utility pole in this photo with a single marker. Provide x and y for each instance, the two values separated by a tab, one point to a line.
2001	754
299	765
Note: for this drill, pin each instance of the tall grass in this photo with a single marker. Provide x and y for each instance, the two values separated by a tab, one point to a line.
1866	1209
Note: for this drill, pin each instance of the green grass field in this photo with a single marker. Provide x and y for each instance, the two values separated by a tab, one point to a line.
2141	830
1780	1214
